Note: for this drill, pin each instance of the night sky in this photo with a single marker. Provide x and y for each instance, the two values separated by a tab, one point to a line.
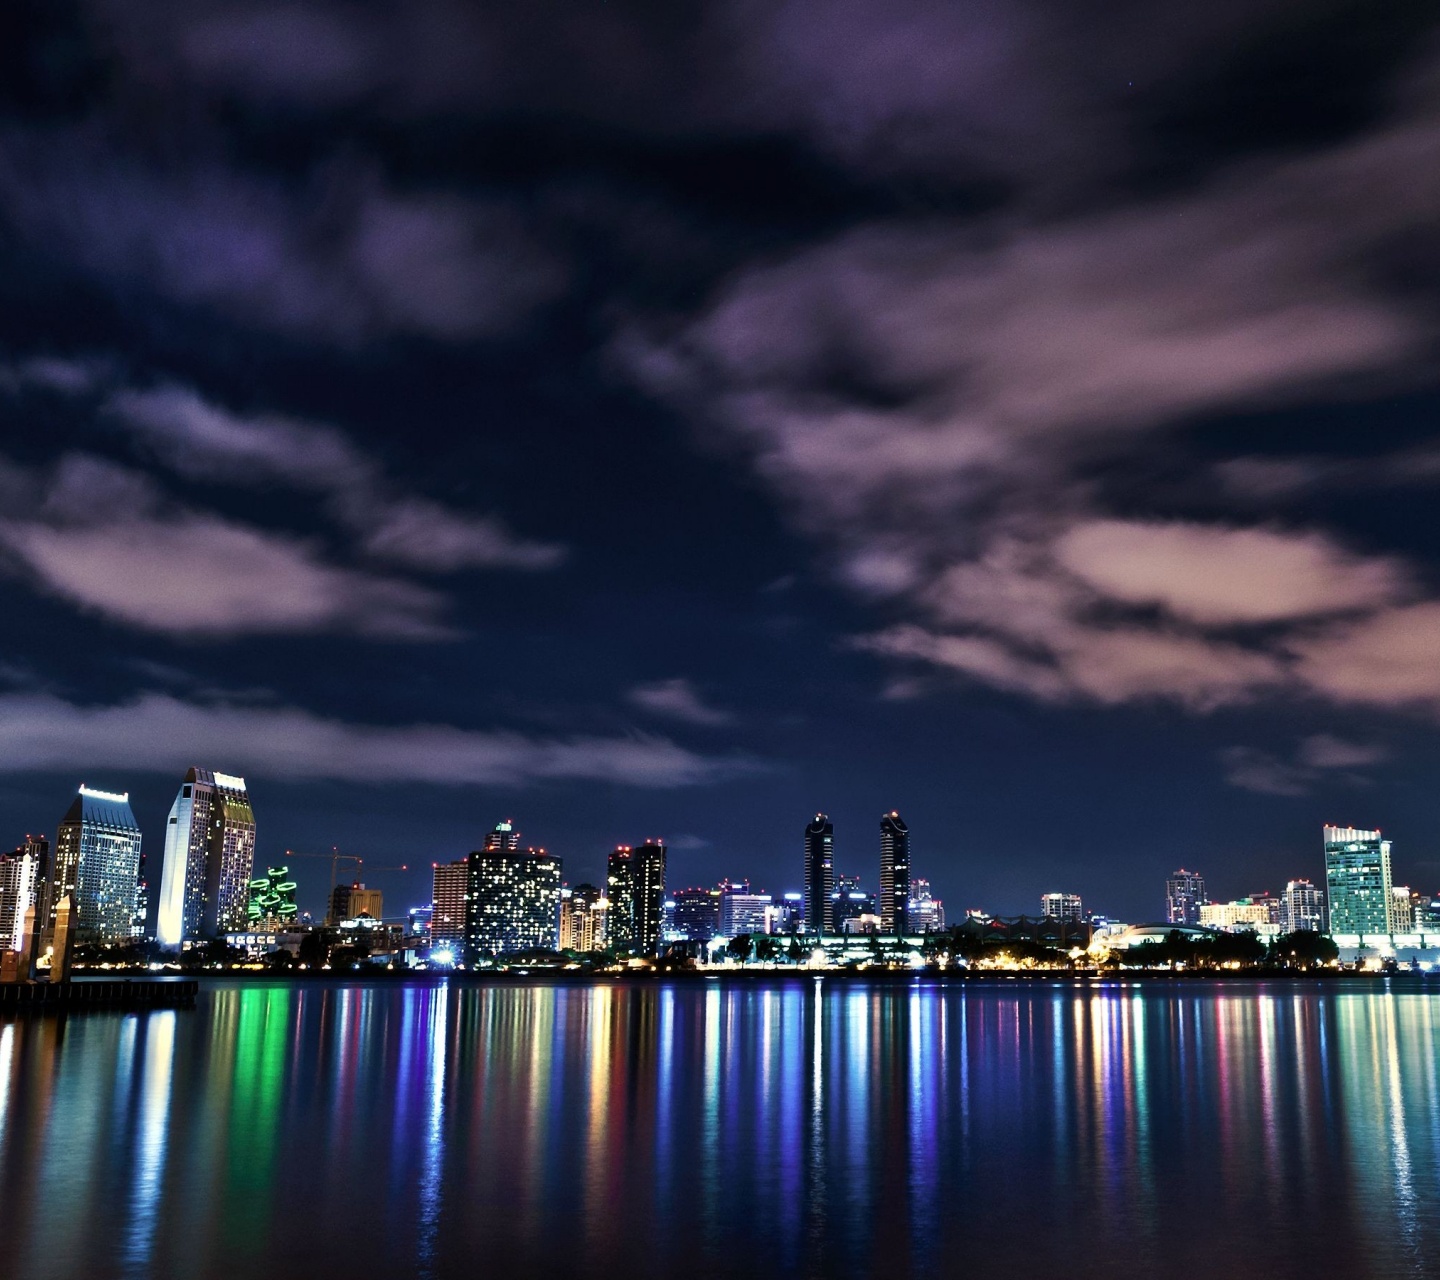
670	420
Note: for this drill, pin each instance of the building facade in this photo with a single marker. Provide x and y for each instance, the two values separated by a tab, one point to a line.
209	859
22	883
697	914
819	874
1184	896
351	901
1061	906
743	911
927	912
1302	907
582	919
894	874
1357	881
850	900
635	891
97	865
513	903
1242	914
450	882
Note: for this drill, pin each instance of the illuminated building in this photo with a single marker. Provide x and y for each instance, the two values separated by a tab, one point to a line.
97	863
351	901
1061	906
449	885
697	914
503	838
1357	881
819	874
1184	895
849	900
635	889
790	916
582	919
742	911
927	912
894	874
1402	909
1242	914
1302	907
513	902
209	859
22	879
272	900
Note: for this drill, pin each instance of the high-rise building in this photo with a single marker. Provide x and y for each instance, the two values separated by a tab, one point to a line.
819	874
97	863
1302	907
502	838
22	881
635	892
209	859
1062	906
1238	916
697	914
582	919
1402	909
272	900
513	903
927	912
848	901
1184	895
1357	881
743	911
449	886
351	901
894	874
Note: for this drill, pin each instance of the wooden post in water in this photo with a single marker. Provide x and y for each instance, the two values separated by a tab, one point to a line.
60	953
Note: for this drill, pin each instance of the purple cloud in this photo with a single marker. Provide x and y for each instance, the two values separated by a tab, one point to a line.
677	699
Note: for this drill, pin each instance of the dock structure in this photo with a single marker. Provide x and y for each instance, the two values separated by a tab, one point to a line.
102	993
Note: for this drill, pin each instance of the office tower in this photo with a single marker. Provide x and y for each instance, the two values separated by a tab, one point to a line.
697	914
1184	894
351	901
513	902
209	859
849	901
742	911
819	874
272	899
1062	906
582	919
927	912
1357	881
450	883
503	838
1240	915
791	918
1302	907
97	864
22	881
1402	910
635	891
894	874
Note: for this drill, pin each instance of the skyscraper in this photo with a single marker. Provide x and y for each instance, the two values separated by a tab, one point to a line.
927	912
1302	907
894	874
1184	895
819	874
1357	881
449	885
1062	906
582	919
209	859
513	903
635	890
742	911
848	901
97	863
502	838
697	913
22	880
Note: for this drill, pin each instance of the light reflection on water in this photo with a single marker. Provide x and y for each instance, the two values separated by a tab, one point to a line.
716	1129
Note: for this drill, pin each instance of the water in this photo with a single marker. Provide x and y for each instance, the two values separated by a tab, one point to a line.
728	1129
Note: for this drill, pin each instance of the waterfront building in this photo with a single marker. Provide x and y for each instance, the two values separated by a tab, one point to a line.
742	911
1302	907
1402	909
582	919
927	912
635	890
850	900
1184	896
22	879
1357	881
1238	916
351	901
97	865
697	914
865	922
790	913
819	874
1061	906
449	884
272	900
209	859
513	902
894	874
